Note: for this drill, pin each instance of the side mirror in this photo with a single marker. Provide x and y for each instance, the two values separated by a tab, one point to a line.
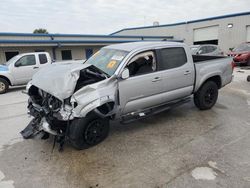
125	74
17	64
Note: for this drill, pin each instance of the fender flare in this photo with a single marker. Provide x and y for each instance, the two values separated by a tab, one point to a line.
206	78
6	78
97	107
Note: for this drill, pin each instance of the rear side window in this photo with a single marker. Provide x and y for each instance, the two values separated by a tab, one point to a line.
43	58
172	57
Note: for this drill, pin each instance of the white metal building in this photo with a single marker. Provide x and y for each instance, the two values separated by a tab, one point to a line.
62	46
227	31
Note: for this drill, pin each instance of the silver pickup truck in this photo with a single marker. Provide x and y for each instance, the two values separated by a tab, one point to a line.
124	82
20	69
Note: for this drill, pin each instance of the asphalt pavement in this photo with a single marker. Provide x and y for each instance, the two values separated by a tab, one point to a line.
183	147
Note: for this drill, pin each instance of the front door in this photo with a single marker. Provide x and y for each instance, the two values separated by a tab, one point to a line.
24	69
142	88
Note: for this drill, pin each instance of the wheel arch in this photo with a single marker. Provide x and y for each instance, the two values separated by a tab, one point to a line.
5	78
103	110
216	79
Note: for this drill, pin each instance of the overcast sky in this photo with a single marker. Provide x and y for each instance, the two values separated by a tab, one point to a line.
107	16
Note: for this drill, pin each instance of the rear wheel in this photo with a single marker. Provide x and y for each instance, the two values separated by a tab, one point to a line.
89	131
206	96
4	86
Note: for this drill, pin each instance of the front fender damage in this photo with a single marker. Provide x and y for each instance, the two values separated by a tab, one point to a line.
53	116
93	97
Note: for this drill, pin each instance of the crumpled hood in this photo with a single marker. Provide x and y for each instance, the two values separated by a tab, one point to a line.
59	79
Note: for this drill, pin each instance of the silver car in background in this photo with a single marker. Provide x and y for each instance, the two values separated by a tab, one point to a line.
206	49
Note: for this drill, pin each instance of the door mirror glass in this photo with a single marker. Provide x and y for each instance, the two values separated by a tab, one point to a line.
18	64
125	74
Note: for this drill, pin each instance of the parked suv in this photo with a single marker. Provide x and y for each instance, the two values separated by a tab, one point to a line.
124	82
206	49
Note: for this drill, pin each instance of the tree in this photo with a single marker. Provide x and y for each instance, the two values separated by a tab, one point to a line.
41	30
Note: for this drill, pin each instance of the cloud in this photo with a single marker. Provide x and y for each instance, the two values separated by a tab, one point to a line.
106	16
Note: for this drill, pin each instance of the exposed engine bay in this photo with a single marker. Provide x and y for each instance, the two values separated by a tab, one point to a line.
53	115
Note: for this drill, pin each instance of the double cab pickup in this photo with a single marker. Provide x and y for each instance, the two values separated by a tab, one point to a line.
124	82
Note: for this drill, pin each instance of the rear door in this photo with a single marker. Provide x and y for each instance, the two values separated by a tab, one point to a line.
178	73
142	88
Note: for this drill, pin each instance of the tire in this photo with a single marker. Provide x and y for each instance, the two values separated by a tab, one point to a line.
206	97
248	78
4	86
89	131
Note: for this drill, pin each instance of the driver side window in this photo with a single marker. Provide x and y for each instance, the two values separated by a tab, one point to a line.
26	61
142	63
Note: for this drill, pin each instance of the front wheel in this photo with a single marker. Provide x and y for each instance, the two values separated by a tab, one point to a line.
89	131
206	97
4	86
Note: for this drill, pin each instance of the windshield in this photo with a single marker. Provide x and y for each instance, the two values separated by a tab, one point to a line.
107	60
242	48
13	59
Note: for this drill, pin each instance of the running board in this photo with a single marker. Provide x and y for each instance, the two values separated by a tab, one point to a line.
134	116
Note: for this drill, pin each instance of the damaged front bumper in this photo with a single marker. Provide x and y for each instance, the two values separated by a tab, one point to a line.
35	127
49	118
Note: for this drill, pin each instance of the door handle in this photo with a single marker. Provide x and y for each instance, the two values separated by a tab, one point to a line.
35	67
156	79
187	72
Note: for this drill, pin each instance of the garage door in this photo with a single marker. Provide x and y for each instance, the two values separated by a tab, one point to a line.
248	33
206	35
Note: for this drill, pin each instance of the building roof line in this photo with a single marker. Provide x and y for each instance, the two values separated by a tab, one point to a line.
79	35
187	22
69	41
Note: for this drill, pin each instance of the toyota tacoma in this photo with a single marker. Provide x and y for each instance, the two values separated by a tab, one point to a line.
125	82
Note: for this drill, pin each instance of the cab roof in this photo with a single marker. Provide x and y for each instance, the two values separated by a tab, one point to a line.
141	45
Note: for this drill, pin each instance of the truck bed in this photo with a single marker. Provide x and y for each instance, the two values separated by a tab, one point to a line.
208	66
202	58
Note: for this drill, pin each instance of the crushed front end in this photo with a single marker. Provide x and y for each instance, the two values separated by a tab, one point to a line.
51	115
62	94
